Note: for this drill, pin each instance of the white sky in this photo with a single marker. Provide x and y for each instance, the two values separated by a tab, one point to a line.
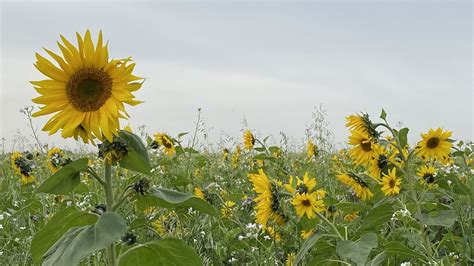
270	62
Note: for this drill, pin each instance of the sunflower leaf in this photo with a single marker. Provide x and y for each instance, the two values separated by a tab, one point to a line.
403	137
167	251
65	180
137	158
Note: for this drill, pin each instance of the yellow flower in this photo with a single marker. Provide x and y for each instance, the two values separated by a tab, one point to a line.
302	186
363	147
273	234
225	154
22	167
85	90
290	259
350	217
198	193
164	140
435	145
55	159
158	226
226	211
379	163
307	204
310	149
427	175
236	156
264	200
391	183
149	210
128	128
356	122
360	187
307	234
249	140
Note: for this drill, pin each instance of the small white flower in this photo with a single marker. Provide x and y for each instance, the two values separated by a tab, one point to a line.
22	228
241	238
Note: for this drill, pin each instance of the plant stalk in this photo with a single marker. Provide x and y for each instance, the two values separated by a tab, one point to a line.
109	200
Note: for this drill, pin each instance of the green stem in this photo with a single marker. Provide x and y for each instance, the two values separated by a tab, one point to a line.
109	198
330	224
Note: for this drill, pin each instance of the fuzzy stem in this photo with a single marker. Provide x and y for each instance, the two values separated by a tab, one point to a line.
109	199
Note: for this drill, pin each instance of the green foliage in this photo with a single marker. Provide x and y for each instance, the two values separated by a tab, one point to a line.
137	158
66	179
357	251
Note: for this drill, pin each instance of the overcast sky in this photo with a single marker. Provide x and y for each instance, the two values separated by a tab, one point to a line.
269	62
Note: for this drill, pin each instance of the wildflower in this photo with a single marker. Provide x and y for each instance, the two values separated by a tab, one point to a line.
158	226
273	234
226	211
363	124
290	259
225	154
427	175
391	183
305	234
310	149
55	159
249	140
435	145
363	147
379	163
198	193
302	186
360	187
350	217
86	91
164	140
22	167
236	156
307	204
267	198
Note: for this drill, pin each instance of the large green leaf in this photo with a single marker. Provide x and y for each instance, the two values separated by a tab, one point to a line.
56	227
397	249
357	251
137	158
403	137
78	242
66	179
377	216
163	252
307	245
171	199
444	218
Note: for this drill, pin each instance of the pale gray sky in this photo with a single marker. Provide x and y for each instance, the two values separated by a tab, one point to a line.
270	62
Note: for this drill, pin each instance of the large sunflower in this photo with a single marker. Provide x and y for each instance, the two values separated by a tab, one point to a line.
85	90
267	203
249	140
360	187
435	145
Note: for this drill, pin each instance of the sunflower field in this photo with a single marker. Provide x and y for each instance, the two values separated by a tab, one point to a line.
151	198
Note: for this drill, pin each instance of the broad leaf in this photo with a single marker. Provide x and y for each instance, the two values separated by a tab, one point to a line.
163	252
307	245
377	216
78	242
444	218
397	249
403	137
56	227
171	199
137	158
357	251
66	179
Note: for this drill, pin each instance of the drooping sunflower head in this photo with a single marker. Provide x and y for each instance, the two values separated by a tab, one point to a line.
363	147
362	122
226	210
85	90
435	145
379	163
310	149
225	154
358	185
305	234
391	183
290	259
267	200
427	175
166	142
249	140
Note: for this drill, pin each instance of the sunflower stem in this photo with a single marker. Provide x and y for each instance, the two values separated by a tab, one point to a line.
331	225
109	199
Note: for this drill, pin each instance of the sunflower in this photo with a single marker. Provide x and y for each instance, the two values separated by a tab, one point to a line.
360	187
22	167
273	234
305	234
290	259
164	140
236	156
350	217
391	183
158	226
267	199
225	154
302	186
363	124
249	140
55	159
85	90
226	210
310	149
379	163
198	193
307	204
435	145
427	175
363	147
